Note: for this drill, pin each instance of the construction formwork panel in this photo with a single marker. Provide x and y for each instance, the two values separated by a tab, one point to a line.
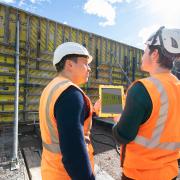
39	37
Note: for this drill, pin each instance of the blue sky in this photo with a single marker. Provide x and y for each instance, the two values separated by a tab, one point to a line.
126	21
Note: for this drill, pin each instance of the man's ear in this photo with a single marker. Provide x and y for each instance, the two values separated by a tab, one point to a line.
155	55
68	64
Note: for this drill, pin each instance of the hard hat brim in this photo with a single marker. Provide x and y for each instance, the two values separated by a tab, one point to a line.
90	58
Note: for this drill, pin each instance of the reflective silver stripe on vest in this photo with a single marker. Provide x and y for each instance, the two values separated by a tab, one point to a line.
54	148
154	142
54	139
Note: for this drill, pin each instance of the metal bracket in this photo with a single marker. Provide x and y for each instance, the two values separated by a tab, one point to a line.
14	164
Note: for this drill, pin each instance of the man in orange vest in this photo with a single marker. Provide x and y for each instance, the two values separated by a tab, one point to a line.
65	114
149	127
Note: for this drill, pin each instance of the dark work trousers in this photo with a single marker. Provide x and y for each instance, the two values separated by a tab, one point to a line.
126	178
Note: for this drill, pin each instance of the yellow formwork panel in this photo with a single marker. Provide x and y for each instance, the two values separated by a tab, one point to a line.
41	65
7	69
23	51
116	53
86	40
122	53
138	57
33	99
80	37
33	117
97	41
138	61
119	53
9	107
12	26
2	23
6	118
47	56
22	62
43	29
23	30
59	38
33	107
6	79
34	25
48	66
73	35
7	51
38	81
51	35
113	56
67	32
92	46
35	90
103	74
125	51
8	98
130	57
41	74
108	56
103	51
7	89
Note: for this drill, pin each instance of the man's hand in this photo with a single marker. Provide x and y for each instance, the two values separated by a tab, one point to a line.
97	106
116	118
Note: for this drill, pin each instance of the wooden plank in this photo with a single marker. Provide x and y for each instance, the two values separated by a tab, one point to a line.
33	161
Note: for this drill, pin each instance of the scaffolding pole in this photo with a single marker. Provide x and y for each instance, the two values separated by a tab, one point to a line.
14	162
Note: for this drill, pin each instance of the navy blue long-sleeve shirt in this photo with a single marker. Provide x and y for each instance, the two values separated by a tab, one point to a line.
70	112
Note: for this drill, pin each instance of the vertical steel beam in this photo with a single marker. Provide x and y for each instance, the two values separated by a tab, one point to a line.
14	162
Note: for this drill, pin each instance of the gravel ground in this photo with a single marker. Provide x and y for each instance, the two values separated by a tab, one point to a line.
6	139
106	156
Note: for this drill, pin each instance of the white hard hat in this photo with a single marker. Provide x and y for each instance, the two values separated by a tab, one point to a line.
70	48
167	39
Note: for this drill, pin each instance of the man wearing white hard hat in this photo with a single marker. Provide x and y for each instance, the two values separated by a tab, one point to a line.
149	127
66	117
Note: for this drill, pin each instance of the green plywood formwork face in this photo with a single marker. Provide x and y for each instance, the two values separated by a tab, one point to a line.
38	39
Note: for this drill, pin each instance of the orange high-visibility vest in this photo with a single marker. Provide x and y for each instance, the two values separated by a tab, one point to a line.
154	152
51	165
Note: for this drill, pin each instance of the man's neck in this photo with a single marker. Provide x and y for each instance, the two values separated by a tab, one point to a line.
65	75
159	70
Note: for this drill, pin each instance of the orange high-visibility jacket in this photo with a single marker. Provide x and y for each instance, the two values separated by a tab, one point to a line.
51	165
154	152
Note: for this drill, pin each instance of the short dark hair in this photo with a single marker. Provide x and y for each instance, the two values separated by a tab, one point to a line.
163	61
73	57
